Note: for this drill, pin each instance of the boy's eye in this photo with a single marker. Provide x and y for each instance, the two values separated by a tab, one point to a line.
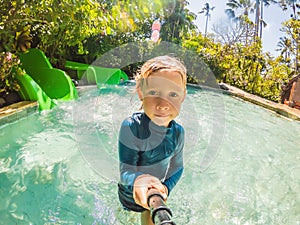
152	92
173	94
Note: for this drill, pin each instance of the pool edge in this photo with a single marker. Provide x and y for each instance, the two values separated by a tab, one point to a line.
22	109
278	108
17	111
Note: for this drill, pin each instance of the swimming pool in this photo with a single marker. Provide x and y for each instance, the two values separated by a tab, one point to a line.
61	166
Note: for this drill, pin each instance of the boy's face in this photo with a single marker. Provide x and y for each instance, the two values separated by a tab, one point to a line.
162	94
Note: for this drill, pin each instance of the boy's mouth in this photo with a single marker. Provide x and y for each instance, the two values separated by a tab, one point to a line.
161	115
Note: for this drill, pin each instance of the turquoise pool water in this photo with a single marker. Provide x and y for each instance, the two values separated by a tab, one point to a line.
242	163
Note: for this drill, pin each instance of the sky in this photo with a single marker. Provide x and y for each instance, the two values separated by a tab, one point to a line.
273	15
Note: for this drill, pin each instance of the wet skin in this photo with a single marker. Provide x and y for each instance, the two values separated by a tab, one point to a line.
162	95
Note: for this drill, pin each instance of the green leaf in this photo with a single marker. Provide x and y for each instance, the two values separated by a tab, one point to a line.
108	30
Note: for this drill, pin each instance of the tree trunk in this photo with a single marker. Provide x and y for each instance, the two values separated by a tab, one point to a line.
206	22
261	18
257	13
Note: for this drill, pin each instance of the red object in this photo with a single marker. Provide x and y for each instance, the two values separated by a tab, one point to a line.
156	25
155	31
155	36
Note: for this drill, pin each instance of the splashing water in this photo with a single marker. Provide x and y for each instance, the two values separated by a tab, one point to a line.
61	166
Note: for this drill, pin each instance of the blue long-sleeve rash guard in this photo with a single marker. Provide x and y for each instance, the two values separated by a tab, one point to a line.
146	148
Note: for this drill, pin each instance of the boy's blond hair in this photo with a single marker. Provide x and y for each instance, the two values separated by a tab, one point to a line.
161	63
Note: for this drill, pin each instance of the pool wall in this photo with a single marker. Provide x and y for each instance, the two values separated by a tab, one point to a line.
22	109
281	109
17	111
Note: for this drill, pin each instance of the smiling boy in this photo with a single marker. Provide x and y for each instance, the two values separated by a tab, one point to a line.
151	142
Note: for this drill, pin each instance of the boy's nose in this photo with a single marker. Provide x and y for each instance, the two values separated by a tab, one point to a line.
162	104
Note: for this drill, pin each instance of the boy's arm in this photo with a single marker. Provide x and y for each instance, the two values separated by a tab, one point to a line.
176	165
172	181
128	165
128	154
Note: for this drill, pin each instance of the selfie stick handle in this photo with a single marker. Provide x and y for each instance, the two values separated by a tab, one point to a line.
160	213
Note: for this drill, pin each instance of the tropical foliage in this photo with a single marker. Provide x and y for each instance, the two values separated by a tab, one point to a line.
84	30
291	43
242	66
9	69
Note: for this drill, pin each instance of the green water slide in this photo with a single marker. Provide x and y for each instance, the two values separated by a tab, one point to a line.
96	74
30	90
44	84
54	82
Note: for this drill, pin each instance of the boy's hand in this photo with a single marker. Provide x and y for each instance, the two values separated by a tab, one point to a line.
143	184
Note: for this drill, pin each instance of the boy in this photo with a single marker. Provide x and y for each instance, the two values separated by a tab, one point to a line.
151	142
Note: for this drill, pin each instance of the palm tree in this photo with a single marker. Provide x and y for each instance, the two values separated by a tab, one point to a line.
245	7
262	23
234	5
292	3
249	6
257	16
206	10
178	23
285	46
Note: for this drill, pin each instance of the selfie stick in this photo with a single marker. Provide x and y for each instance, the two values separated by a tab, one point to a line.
160	213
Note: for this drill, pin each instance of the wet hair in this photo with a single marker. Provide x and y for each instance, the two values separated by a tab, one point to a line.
165	62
